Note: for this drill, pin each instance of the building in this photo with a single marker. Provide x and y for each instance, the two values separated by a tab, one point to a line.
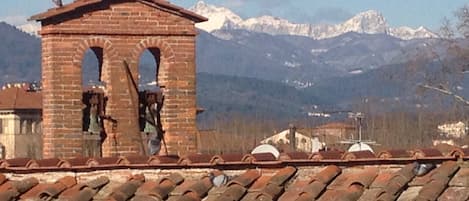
303	142
117	32
338	129
20	121
453	130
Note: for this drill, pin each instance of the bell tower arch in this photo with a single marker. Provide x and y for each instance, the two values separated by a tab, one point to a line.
118	32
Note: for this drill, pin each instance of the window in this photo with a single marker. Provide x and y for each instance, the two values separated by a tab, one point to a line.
26	126
1	126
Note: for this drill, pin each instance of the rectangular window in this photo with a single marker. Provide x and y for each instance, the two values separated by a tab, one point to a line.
1	126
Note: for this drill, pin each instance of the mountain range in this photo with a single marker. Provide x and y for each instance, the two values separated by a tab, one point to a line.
268	66
370	22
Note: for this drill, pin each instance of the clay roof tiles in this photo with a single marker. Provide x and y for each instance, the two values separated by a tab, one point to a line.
263	178
75	5
16	98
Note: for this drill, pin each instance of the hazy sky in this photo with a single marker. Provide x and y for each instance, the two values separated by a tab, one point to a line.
412	13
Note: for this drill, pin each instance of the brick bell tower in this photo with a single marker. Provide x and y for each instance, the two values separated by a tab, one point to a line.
118	32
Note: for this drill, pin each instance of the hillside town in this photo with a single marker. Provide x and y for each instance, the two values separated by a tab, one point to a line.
120	111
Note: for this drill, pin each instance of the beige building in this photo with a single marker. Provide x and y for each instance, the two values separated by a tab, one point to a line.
303	142
20	122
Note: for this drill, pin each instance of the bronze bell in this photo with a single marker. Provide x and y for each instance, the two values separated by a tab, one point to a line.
94	126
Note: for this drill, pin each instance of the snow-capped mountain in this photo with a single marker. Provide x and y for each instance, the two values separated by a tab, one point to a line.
369	22
219	17
408	33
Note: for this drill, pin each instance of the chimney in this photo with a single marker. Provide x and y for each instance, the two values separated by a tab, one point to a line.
292	137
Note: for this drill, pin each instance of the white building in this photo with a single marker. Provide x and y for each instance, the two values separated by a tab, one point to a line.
453	130
20	122
303	142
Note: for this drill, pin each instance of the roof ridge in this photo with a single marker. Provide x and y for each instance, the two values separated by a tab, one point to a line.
81	3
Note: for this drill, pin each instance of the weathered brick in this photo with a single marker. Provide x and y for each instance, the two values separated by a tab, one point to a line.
124	31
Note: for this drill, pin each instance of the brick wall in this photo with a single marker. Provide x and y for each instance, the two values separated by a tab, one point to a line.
123	31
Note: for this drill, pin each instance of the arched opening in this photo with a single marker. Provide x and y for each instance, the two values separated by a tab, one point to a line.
148	67
150	99
93	90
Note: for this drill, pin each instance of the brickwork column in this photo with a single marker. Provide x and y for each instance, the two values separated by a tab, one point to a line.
179	113
62	105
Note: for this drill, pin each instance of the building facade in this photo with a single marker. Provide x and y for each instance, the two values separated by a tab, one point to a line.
20	122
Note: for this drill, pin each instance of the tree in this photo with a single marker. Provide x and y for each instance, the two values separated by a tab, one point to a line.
455	64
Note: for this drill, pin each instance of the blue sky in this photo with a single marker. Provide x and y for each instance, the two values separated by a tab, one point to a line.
412	13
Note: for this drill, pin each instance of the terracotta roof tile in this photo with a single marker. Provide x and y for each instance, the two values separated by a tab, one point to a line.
425	153
460	153
163	160
200	188
53	190
246	178
49	191
328	174
260	183
259	157
3	179
227	159
6	185
311	189
34	192
410	193
295	191
182	188
388	185
17	188
455	193
327	155
351	193
445	170
439	179
294	156
195	158
107	161
159	189
233	192
432	190
17	162
84	191
126	190
364	179
283	176
74	6
52	162
358	155
19	98
79	162
394	153
134	160
461	179
9	195
146	192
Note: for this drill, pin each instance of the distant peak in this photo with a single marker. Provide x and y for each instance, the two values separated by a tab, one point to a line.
369	14
218	16
201	3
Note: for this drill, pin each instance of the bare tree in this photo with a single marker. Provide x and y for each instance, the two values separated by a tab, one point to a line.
456	61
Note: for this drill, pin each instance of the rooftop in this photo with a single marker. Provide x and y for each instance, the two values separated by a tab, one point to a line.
16	97
389	175
77	4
